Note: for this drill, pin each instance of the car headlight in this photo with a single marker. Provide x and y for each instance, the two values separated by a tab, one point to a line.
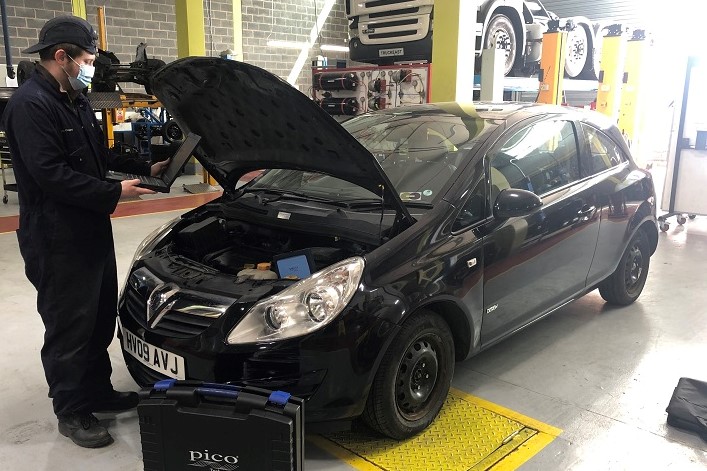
301	308
149	244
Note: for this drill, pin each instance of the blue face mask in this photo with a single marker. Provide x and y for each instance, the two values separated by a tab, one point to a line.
84	78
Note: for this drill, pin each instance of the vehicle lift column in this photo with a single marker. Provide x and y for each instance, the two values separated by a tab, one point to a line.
191	41
630	113
552	64
453	55
613	56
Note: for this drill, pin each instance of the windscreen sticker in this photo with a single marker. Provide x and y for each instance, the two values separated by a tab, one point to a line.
410	196
427	193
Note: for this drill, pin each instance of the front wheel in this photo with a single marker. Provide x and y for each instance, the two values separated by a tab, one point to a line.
626	283
413	379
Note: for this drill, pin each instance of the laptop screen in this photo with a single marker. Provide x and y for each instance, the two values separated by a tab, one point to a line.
180	158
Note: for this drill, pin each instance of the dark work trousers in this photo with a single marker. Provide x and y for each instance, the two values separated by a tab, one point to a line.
74	271
60	160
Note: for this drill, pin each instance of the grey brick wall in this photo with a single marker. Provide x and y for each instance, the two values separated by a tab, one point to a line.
24	20
129	22
289	20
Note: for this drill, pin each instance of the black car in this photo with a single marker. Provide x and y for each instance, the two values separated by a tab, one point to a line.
398	243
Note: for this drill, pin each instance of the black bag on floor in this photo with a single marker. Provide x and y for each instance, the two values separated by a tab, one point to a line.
688	406
187	425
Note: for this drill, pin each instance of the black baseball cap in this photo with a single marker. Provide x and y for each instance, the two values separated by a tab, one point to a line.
66	29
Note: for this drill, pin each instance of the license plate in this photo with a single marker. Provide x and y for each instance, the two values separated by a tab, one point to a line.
398	51
155	358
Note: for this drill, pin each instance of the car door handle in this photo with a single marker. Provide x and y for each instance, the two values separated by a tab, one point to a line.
587	210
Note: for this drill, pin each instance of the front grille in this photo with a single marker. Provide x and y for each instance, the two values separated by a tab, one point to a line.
396	34
402	11
380	3
390	24
172	324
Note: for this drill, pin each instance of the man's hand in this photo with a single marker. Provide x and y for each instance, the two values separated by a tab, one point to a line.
158	167
131	190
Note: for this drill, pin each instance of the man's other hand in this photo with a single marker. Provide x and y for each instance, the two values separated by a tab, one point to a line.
131	190
158	167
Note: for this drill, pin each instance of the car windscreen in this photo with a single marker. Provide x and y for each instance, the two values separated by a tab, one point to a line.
419	154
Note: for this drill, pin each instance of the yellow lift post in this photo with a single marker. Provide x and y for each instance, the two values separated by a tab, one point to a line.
452	56
613	56
552	65
191	40
630	113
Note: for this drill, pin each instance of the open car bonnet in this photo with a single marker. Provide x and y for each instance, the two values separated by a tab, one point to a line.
250	119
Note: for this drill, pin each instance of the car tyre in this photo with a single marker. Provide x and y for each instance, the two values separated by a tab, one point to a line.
501	35
413	379
579	53
626	283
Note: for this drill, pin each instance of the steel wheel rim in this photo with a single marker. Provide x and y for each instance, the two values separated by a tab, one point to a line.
416	378
634	267
500	39
577	52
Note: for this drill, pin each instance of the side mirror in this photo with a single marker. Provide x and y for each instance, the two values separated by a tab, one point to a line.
513	202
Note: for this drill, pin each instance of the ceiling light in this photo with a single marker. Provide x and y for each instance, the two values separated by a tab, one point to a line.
332	47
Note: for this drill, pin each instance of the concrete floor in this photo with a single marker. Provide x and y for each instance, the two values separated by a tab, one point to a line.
602	375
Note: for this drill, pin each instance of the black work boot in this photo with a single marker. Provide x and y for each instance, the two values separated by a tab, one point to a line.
84	430
114	401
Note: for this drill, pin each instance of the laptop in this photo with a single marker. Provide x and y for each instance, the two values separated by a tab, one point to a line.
163	182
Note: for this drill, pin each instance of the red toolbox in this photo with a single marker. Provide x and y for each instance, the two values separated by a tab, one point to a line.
186	425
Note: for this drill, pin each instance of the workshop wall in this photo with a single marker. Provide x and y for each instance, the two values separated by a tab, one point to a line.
24	20
130	22
290	20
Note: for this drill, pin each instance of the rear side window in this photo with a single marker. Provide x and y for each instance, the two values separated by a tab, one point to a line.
604	153
539	158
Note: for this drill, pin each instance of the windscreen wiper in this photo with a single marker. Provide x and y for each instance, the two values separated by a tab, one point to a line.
292	195
377	202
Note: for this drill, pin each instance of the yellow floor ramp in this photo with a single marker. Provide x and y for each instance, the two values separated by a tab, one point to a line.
470	434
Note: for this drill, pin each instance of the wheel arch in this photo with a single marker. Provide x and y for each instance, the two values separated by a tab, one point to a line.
458	322
651	231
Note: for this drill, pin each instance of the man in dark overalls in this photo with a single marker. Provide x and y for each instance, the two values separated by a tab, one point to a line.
65	235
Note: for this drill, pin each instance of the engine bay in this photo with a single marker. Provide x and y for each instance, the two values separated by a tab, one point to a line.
232	246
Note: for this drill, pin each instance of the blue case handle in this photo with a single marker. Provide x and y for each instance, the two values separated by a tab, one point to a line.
164	385
279	398
227	391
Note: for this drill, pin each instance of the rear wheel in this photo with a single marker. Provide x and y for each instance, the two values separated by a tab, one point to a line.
501	35
413	379
626	283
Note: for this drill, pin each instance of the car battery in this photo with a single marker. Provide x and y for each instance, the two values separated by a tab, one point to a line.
186	425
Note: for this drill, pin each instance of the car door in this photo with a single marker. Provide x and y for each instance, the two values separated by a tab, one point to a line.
536	262
620	192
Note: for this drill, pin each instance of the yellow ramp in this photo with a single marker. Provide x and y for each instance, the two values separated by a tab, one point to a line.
469	434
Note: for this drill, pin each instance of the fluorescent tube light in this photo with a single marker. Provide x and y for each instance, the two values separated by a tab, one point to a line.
332	47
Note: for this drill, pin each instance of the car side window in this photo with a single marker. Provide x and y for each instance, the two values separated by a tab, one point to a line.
605	154
540	158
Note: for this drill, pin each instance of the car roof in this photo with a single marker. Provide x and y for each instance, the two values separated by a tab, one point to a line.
510	112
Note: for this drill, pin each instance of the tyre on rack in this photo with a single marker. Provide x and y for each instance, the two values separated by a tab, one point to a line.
413	379
626	283
500	34
582	57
